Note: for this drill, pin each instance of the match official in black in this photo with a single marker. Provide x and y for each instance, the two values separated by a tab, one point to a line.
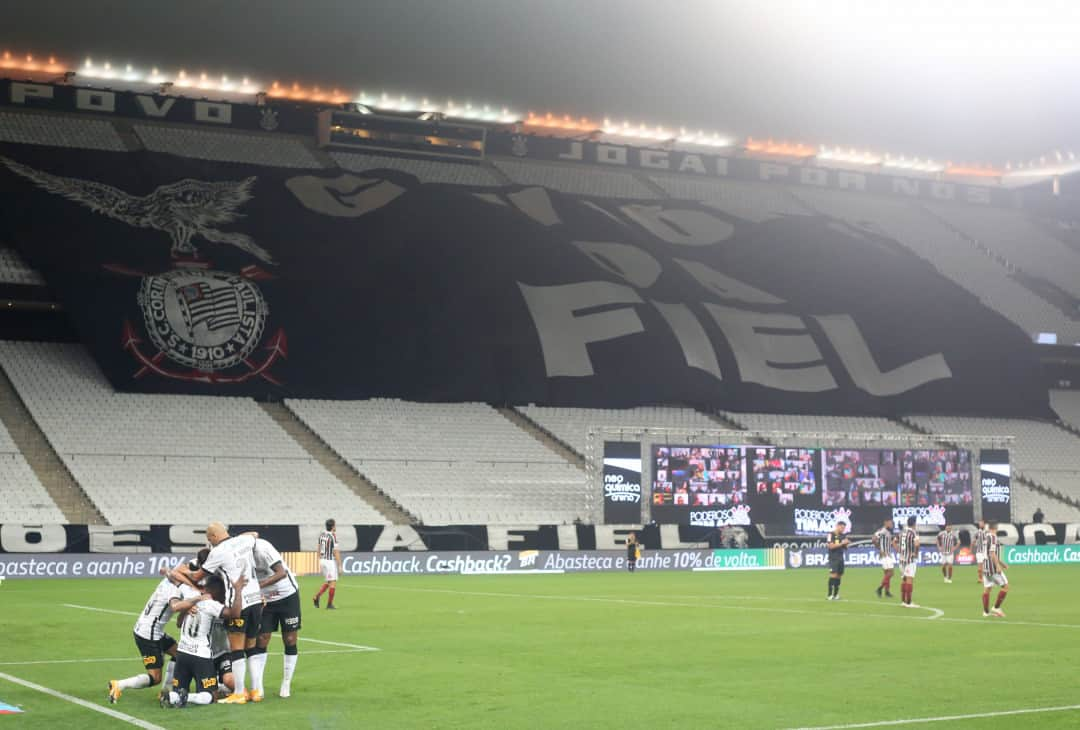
837	546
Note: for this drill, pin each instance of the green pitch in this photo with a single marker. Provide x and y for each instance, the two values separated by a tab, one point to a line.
659	650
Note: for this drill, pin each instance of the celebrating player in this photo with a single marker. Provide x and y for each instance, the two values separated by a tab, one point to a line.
282	609
993	573
194	653
152	641
978	546
837	545
909	561
230	558
329	561
885	541
947	542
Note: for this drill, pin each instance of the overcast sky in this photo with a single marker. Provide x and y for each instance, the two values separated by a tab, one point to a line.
963	81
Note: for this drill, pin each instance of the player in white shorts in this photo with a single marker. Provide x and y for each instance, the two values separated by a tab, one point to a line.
993	573
909	561
978	546
885	542
947	543
330	562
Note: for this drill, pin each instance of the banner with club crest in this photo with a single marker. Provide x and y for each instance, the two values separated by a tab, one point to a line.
183	275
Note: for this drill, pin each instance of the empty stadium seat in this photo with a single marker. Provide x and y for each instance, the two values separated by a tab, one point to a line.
424	170
58	131
749	201
254	149
862	428
447	463
575	179
24	499
13	270
1042	452
146	457
572	425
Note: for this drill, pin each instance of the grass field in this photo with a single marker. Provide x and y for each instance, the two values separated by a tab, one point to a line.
658	650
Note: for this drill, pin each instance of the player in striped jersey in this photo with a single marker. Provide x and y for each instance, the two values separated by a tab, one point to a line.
993	573
978	546
947	542
329	561
909	561
151	640
885	542
282	609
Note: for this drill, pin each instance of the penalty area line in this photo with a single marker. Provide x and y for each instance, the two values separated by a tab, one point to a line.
82	703
943	718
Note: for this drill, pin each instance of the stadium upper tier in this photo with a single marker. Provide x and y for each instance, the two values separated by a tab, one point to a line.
157	457
980	248
450	463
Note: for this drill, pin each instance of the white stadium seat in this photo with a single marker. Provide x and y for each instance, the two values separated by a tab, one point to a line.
47	129
446	463
24	500
571	425
423	169
160	457
575	179
254	149
13	270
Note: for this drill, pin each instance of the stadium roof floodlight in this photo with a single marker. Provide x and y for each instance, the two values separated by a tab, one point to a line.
913	164
850	156
973	171
29	63
780	149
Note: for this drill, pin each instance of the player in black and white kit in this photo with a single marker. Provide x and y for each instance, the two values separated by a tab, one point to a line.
282	609
151	640
230	558
194	654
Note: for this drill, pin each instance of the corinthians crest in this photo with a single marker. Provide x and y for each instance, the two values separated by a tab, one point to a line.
206	325
208	321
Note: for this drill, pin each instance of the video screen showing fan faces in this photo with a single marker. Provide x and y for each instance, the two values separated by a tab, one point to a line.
887	478
702	478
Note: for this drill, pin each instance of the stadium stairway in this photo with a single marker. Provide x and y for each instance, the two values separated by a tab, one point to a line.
542	435
43	459
310	442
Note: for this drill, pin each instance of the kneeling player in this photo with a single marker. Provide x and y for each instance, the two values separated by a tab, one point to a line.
993	573
152	641
282	609
194	655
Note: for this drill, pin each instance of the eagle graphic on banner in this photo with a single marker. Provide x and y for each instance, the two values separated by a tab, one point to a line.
183	209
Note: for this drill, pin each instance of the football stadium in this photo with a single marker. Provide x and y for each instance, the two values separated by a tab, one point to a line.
335	408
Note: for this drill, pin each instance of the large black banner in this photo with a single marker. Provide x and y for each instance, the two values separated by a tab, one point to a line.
995	489
190	276
622	482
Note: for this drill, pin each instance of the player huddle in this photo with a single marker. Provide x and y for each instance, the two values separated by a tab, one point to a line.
903	549
228	602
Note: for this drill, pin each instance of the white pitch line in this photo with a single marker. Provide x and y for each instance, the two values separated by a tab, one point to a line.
769	609
83	703
106	660
357	647
944	718
102	610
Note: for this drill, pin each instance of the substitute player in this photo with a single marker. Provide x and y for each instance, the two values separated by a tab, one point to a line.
230	558
152	641
194	660
947	542
993	573
885	542
978	546
909	561
837	545
329	561
282	609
